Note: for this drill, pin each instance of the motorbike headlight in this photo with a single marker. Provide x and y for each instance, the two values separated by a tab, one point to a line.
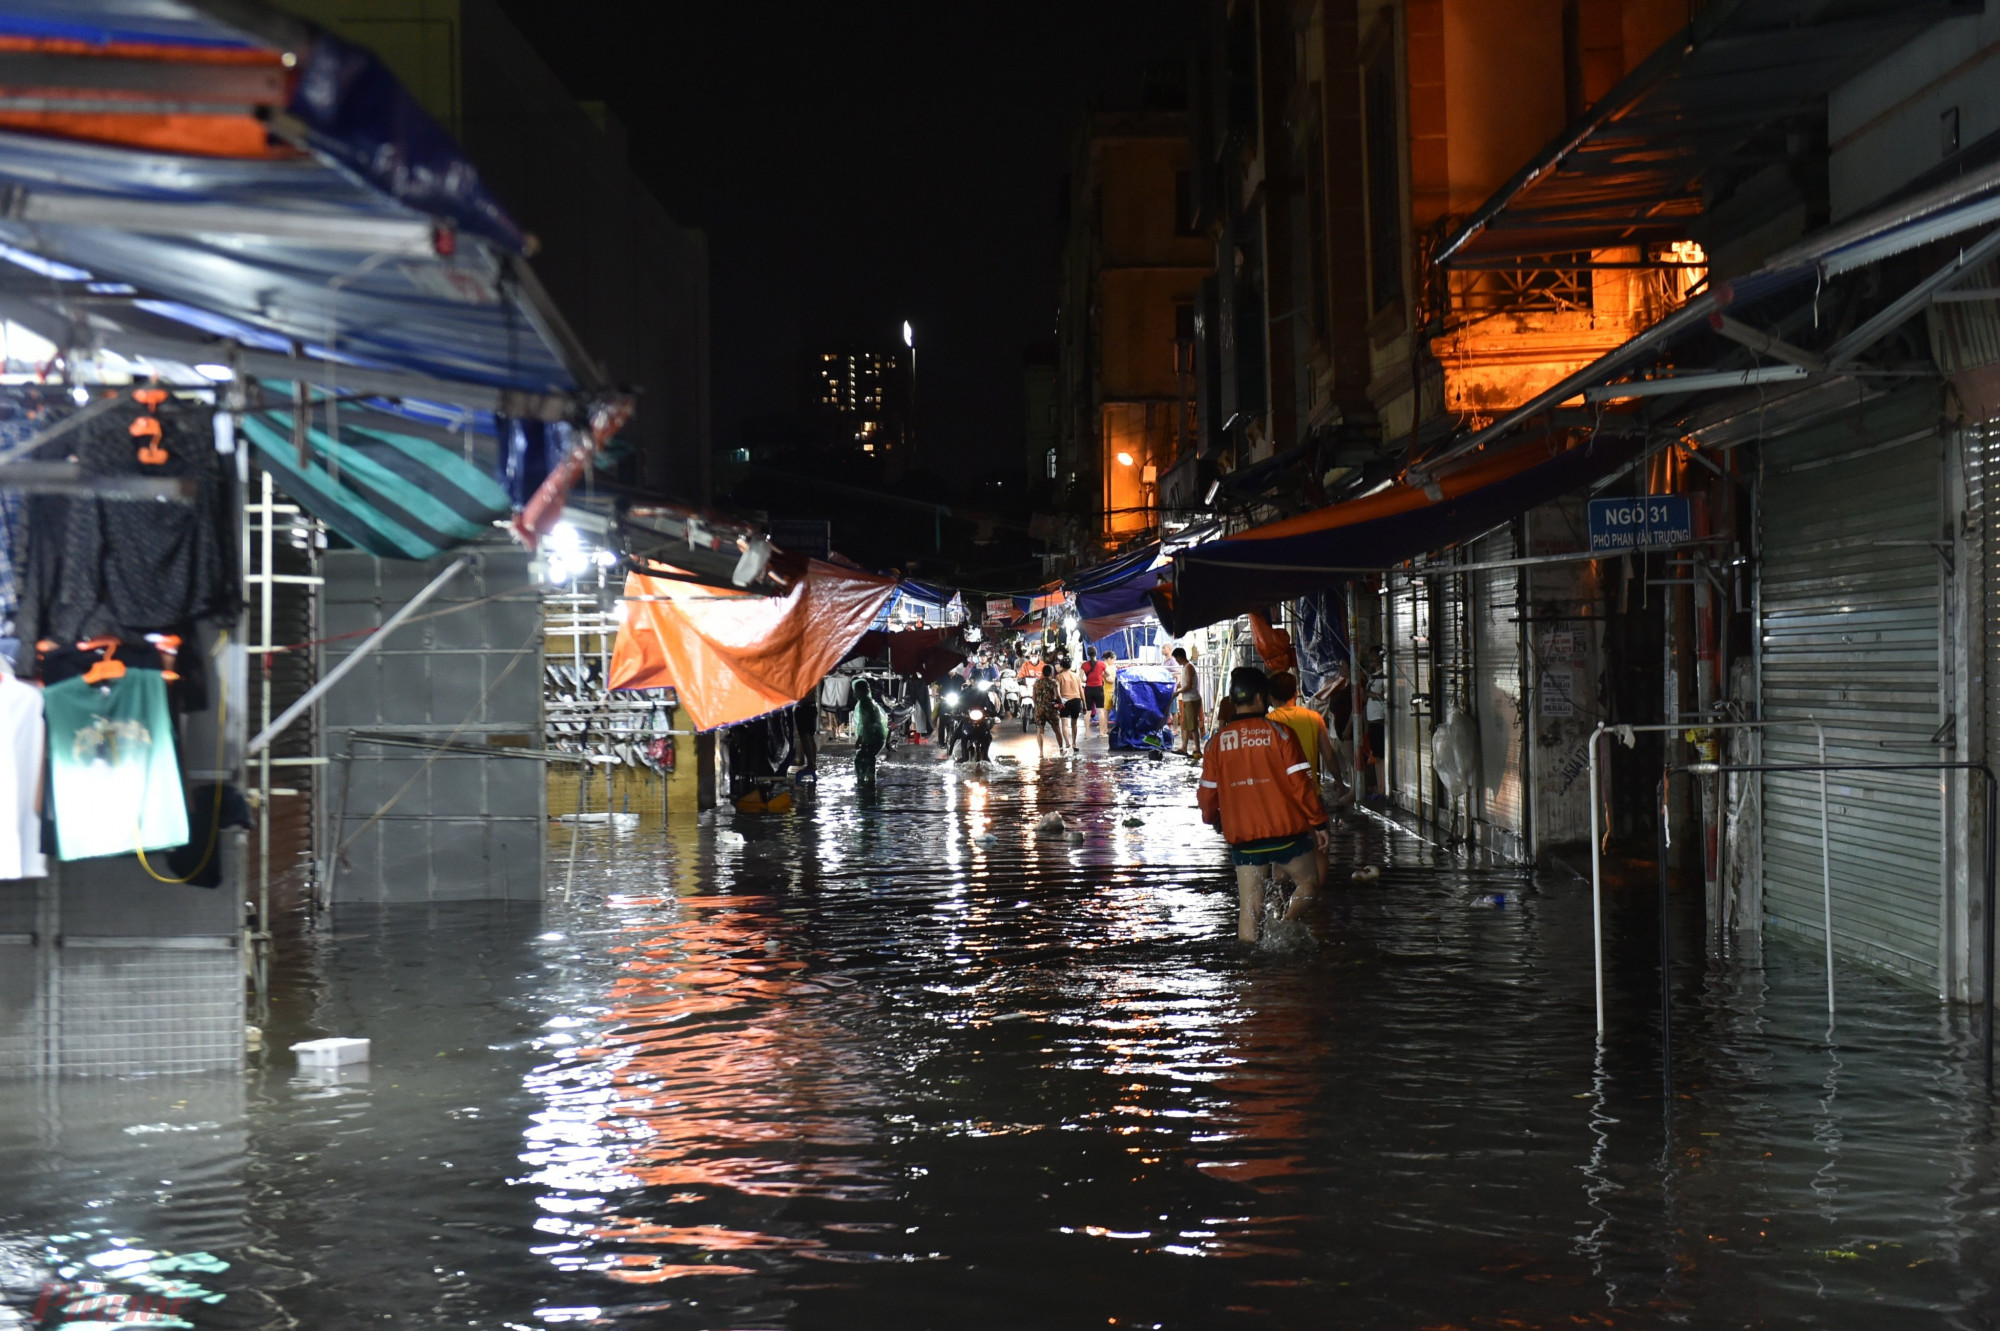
951	700
976	715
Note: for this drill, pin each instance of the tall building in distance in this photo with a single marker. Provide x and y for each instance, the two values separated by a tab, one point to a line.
861	397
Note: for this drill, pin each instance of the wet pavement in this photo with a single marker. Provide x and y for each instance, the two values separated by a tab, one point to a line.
863	1067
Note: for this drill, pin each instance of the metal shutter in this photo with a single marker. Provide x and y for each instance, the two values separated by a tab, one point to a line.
1496	687
1409	683
1851	596
1982	455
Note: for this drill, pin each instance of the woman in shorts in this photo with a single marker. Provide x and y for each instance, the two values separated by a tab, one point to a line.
1093	684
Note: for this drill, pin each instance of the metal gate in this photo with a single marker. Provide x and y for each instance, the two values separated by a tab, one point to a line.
1409	693
1496	686
440	793
1851	577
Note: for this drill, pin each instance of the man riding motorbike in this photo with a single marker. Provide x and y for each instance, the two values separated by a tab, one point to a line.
973	739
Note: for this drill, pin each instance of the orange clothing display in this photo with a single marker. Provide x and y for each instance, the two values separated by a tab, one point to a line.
1274	645
1256	784
730	655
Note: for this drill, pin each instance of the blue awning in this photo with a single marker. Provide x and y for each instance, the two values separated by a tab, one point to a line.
361	254
1113	572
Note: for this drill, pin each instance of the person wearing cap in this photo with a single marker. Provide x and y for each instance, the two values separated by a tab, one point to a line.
1259	790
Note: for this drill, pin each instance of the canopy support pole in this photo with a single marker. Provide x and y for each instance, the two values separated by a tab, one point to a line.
354	658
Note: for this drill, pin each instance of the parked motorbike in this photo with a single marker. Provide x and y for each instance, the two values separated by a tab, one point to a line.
1013	696
951	715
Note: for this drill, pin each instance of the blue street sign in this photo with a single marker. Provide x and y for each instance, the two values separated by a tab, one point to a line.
1646	522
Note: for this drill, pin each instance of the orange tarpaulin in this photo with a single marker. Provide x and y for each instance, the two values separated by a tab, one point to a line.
120	74
731	656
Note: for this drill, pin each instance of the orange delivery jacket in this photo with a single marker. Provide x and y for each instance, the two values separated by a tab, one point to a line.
1256	784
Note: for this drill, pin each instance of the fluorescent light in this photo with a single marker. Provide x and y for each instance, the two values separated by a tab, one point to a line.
219	374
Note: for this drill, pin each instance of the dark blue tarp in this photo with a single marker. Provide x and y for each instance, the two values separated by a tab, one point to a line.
1226	578
1125	643
529	451
1113	573
359	115
924	592
1124	607
1117	595
1142	708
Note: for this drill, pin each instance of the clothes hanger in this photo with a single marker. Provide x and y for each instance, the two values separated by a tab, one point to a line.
108	667
169	647
151	453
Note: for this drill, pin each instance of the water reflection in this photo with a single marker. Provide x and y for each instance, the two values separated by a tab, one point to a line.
902	1063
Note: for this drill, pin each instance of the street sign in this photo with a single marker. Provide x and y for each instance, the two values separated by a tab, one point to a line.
1644	522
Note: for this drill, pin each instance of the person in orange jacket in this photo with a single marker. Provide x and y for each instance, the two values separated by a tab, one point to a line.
1259	791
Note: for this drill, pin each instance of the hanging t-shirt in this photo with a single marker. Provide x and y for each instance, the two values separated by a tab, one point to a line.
20	780
114	779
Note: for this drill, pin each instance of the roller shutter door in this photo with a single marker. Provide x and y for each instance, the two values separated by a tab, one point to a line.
1496	690
1409	683
1851	591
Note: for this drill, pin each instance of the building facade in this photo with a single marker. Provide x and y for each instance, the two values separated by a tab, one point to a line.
1725	255
861	398
1132	267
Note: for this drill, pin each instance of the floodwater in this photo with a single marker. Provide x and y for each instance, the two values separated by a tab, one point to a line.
863	1068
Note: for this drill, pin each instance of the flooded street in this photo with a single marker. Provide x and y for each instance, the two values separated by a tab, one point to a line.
862	1067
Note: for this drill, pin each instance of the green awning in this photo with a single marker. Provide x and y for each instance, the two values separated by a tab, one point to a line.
393	495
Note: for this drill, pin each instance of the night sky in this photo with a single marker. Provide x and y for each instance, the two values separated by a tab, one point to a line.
855	165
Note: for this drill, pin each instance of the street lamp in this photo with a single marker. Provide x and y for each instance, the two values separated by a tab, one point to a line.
910	341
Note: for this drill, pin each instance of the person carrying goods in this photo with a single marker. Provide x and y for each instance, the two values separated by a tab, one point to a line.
871	731
1258	790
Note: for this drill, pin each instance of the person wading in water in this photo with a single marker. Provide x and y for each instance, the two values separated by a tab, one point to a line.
871	732
1259	791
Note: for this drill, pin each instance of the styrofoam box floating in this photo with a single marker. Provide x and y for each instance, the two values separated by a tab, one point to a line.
331	1052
